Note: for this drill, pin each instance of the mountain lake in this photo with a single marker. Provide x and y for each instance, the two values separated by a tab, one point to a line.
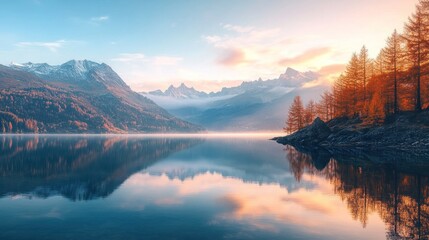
202	187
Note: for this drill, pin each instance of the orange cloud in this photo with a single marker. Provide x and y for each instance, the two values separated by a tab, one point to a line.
327	75
306	56
232	57
332	69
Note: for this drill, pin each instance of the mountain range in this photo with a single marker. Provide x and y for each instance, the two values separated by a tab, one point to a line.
76	97
291	78
181	91
252	106
89	97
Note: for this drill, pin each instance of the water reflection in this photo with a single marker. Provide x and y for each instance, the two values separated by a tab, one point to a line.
74	167
187	188
394	185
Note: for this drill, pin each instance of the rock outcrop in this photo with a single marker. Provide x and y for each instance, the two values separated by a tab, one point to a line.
314	134
408	131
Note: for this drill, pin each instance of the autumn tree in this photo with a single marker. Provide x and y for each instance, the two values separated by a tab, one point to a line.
325	107
340	100
376	111
309	112
397	79
295	120
31	125
417	36
379	67
364	65
346	89
393	54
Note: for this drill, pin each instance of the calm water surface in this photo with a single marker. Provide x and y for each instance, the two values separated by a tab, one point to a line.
119	187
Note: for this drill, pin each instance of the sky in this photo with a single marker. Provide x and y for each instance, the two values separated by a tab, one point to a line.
205	44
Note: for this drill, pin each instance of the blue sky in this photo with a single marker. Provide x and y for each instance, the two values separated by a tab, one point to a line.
207	44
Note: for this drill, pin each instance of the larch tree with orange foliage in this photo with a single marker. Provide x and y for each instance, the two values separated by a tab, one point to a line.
364	66
393	55
397	80
417	37
295	119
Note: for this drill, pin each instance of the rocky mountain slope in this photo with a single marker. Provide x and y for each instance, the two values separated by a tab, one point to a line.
77	97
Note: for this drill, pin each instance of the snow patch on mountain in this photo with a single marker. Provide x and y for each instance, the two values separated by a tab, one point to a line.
259	105
285	83
81	72
182	92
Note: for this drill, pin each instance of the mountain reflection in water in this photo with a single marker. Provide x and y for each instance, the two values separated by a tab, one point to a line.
115	187
77	168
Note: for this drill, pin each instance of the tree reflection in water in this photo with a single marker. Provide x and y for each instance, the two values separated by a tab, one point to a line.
78	168
396	186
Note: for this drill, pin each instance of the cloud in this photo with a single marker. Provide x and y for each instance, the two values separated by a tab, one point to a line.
92	21
249	45
306	56
52	46
327	75
232	57
129	57
332	69
248	52
259	48
98	20
249	204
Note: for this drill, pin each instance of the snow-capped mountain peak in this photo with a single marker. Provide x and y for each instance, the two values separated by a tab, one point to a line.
74	71
286	81
292	74
182	91
80	66
37	68
296	78
15	64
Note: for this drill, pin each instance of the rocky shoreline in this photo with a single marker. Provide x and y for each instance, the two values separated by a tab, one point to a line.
406	132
